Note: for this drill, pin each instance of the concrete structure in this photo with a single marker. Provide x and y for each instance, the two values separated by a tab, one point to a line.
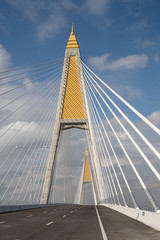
84	179
73	112
150	219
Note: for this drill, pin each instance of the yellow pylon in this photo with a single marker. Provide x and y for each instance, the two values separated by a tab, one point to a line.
87	171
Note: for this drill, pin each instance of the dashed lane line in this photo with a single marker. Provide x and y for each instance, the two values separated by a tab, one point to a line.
2	222
64	216
29	216
49	223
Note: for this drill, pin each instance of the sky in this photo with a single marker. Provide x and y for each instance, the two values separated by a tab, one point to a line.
119	40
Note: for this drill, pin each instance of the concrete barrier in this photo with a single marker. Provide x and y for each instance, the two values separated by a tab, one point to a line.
150	219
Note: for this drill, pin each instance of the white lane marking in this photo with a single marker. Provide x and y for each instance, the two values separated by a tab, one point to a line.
101	226
64	216
45	211
2	222
71	212
49	223
29	216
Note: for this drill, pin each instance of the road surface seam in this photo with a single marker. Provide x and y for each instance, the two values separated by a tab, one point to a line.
101	226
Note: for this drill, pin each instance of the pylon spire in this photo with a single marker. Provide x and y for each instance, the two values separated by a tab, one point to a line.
72	32
86	153
72	42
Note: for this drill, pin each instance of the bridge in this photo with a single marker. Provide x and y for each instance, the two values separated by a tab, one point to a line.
77	161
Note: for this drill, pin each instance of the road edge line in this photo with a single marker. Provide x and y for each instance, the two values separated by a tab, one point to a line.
101	226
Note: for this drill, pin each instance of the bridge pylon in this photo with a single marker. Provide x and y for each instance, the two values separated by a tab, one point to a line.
73	112
86	178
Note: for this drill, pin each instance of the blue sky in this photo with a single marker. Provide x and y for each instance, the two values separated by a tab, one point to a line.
119	40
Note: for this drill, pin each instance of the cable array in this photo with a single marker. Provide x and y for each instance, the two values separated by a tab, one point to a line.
113	149
26	126
29	100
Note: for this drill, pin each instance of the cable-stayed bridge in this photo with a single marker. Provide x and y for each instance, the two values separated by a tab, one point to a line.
75	153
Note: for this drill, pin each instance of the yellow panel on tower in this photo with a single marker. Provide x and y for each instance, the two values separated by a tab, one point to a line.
73	104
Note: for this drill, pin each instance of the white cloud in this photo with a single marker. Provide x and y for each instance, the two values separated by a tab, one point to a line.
128	91
96	7
28	84
52	26
139	25
70	5
129	62
148	43
145	43
157	58
17	125
5	59
155	118
48	19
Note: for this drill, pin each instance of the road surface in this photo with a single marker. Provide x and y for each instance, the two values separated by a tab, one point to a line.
70	222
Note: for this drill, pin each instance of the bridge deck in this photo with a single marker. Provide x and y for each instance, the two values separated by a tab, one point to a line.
72	222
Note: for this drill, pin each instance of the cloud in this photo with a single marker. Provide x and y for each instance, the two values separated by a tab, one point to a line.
47	19
129	62
70	5
139	25
52	26
145	43
155	118
96	7
28	83
128	91
5	59
157	58
17	125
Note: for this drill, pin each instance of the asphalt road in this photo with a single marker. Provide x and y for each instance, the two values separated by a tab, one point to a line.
72	222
